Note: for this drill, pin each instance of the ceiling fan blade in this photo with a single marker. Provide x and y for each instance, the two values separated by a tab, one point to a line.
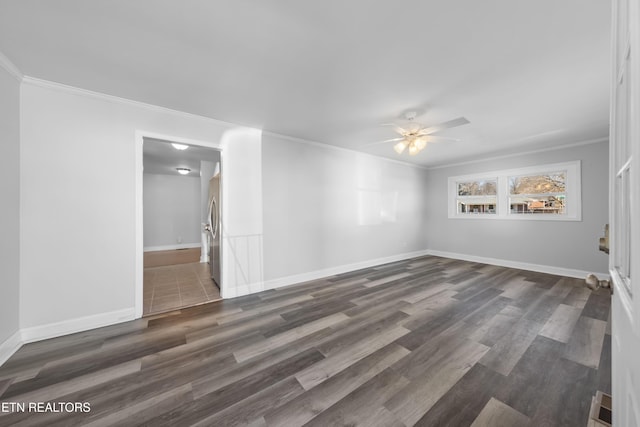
434	138
385	141
396	128
446	125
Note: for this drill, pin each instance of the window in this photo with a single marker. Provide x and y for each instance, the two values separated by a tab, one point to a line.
477	197
548	192
538	194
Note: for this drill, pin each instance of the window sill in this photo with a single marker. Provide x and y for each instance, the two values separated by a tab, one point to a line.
529	217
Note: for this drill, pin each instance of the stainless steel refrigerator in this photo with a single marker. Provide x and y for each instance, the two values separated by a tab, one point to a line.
213	227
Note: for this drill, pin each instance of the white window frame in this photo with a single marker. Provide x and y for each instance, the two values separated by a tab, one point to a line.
471	198
573	205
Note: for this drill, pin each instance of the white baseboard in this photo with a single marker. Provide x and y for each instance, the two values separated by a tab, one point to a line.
52	330
240	291
172	247
319	274
71	326
332	271
10	346
58	329
549	269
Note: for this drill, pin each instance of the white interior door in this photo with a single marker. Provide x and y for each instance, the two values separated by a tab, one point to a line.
624	213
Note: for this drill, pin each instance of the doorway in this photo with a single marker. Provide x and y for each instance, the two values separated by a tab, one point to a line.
180	221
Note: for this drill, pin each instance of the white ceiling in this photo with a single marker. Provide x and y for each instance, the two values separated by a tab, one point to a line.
527	74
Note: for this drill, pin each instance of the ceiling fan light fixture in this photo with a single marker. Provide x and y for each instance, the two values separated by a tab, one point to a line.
420	143
400	146
416	136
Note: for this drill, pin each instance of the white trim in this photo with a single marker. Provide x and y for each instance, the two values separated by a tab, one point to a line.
58	329
115	99
240	291
180	140
516	217
549	269
502	212
341	149
80	324
173	247
10	67
118	100
10	346
138	287
520	153
332	271
52	330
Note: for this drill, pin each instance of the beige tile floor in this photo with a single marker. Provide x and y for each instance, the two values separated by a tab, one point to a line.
176	286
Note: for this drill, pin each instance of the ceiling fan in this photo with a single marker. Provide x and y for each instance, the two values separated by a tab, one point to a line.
415	136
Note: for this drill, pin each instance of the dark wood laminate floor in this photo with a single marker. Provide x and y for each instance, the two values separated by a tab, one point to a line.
428	341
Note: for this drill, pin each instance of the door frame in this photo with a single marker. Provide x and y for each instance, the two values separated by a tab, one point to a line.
139	207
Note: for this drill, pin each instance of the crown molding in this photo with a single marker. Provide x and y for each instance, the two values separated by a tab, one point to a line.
47	84
520	153
13	70
10	67
341	149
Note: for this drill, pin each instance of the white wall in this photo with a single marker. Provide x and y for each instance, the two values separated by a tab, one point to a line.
78	199
171	210
10	211
241	217
562	244
325	208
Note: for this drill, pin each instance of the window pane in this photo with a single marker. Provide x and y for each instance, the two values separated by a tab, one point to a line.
538	205
538	184
477	205
477	188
